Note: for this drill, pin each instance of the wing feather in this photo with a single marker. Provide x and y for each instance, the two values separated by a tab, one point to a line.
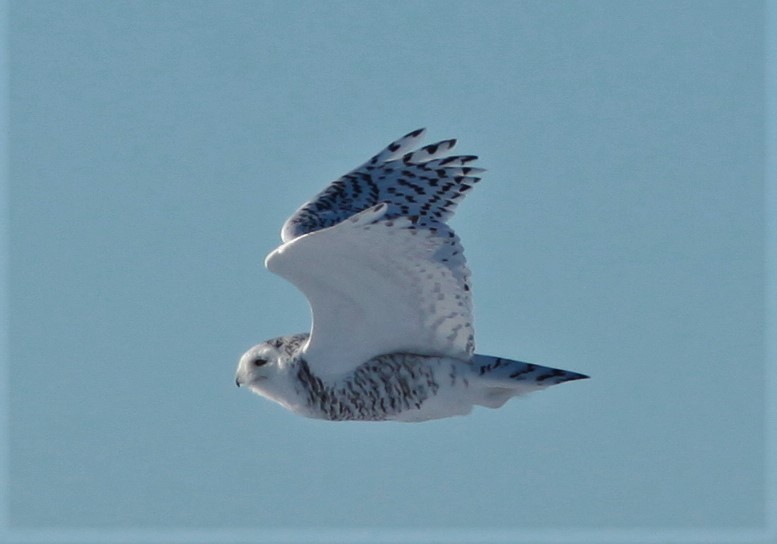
424	183
379	285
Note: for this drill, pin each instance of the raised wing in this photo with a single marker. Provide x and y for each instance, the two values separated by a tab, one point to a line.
423	183
378	286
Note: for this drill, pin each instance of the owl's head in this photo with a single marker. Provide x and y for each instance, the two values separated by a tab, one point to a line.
257	364
265	368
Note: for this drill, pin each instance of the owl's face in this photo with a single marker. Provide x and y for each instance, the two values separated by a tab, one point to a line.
258	364
268	368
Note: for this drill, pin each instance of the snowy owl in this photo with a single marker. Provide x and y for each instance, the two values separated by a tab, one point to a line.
389	290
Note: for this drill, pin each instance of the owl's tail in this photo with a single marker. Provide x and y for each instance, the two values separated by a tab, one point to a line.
504	378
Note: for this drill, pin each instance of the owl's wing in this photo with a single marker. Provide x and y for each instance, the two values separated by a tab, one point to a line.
379	286
422	183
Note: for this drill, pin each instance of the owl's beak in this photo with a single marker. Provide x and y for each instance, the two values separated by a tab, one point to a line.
237	381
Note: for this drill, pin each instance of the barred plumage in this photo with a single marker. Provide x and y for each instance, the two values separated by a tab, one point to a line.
417	184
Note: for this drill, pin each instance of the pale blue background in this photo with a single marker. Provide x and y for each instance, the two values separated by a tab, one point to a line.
155	149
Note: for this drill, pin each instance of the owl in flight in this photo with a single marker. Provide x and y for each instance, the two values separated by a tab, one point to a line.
389	289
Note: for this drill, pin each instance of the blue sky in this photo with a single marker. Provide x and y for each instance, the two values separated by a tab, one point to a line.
155	149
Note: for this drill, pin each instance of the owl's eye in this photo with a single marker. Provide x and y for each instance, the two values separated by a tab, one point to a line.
260	362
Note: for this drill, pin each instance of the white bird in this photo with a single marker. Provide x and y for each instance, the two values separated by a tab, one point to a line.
388	286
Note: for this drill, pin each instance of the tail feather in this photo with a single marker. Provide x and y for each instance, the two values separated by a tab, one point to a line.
505	378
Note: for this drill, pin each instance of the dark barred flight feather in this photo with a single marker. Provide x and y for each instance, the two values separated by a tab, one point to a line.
424	185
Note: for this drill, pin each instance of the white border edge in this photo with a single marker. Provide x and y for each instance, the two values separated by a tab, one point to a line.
379	536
